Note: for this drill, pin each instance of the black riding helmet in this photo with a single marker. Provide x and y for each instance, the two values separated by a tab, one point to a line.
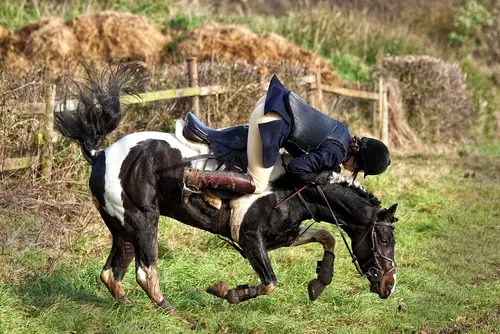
374	156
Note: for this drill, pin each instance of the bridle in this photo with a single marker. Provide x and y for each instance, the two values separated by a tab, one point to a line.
374	271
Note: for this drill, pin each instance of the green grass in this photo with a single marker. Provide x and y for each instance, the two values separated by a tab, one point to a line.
447	253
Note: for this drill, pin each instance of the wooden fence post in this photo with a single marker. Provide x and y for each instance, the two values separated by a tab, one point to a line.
193	82
374	109
48	128
383	112
380	105
311	95
319	92
385	118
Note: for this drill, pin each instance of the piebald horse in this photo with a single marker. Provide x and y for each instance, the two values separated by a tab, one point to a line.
140	177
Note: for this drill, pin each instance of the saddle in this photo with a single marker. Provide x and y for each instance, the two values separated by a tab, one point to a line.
228	145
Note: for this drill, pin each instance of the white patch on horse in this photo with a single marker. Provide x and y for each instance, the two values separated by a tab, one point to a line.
141	274
341	178
239	208
116	154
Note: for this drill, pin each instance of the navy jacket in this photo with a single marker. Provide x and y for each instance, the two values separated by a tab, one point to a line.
327	156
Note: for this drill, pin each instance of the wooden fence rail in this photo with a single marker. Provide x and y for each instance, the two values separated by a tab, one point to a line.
314	97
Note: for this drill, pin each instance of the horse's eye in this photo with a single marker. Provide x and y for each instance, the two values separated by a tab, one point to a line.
385	241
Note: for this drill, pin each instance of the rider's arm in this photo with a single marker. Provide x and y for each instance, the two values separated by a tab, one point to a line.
273	135
327	156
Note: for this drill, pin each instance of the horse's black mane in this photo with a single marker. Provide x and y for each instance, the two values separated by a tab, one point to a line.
361	191
335	178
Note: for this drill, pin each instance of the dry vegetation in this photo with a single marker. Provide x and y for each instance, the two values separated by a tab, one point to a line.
55	44
235	43
434	94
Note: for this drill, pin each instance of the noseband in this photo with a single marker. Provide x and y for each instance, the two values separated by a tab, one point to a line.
374	271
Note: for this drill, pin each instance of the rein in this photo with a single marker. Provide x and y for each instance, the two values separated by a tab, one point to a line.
373	271
353	257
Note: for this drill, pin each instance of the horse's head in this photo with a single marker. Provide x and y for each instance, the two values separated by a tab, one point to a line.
373	246
370	228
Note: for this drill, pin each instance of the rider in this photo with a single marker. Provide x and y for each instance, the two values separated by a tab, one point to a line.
316	142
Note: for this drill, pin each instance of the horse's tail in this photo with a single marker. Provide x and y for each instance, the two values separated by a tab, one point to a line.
97	112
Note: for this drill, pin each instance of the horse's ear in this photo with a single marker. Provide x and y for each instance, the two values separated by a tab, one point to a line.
389	212
392	209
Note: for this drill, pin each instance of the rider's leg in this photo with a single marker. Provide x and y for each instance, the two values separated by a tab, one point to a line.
259	174
200	180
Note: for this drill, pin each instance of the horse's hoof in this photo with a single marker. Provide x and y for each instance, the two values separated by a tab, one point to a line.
232	296
125	301
219	289
315	288
166	307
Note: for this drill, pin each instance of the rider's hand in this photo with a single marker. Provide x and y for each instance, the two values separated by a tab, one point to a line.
322	178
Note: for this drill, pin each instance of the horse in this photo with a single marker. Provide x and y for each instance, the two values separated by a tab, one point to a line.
139	178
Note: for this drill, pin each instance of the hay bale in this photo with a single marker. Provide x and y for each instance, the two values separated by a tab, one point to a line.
434	96
48	43
52	43
234	43
112	35
401	134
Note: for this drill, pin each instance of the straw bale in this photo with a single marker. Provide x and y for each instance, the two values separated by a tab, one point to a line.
108	36
46	43
401	134
53	43
112	35
434	95
236	43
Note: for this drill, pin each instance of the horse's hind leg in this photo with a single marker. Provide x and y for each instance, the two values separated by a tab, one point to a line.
258	258
120	256
325	267
146	256
122	253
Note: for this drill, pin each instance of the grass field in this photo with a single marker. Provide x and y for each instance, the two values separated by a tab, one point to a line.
447	251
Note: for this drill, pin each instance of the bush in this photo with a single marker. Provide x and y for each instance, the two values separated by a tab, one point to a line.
470	21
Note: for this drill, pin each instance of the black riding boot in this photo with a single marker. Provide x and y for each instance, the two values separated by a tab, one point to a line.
236	182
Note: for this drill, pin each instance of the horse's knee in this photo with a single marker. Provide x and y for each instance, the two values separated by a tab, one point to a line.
327	240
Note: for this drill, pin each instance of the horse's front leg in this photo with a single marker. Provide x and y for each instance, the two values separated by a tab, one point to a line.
258	258
325	266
